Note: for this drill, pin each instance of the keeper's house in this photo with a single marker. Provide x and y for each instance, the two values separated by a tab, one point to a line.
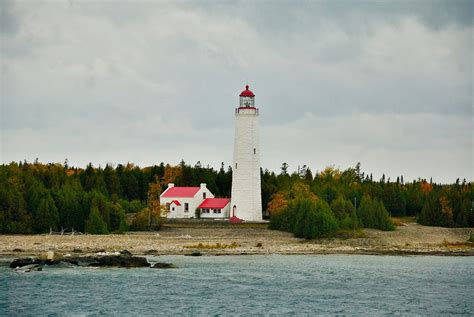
186	202
182	202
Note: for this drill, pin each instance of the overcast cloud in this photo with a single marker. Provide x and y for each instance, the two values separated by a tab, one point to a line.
387	84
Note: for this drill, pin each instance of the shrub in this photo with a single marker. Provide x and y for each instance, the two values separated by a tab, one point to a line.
306	218
283	219
323	222
147	219
381	217
345	213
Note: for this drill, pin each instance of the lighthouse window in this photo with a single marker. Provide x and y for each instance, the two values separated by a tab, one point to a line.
235	165
254	151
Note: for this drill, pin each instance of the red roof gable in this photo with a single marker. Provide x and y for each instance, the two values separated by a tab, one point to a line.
216	203
177	203
181	192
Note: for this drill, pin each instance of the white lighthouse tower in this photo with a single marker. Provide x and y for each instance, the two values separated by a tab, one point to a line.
246	201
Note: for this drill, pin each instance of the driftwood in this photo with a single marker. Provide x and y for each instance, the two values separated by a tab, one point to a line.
64	232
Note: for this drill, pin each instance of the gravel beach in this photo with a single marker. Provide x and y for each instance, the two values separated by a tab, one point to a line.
176	239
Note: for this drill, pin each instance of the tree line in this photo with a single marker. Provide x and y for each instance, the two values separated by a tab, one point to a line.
352	199
37	197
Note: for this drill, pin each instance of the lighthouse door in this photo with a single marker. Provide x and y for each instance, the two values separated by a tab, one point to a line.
234	211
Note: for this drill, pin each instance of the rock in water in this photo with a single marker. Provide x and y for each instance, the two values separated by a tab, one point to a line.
30	267
195	253
120	261
163	266
114	260
22	262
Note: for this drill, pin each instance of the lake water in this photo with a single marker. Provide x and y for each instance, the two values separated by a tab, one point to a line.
249	285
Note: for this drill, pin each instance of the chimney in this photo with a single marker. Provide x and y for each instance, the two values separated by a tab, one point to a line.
203	185
170	185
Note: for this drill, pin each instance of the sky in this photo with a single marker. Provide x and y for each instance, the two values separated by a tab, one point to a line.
385	83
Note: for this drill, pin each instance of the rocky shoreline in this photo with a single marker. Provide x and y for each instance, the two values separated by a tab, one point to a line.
122	259
409	239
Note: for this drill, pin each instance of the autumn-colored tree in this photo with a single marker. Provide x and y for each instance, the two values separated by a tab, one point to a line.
300	190
277	204
426	187
154	215
171	173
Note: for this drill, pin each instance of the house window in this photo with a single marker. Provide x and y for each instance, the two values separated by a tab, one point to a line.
167	206
186	207
204	195
216	211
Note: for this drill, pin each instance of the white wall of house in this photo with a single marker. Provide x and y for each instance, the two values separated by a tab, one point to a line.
175	211
193	202
212	214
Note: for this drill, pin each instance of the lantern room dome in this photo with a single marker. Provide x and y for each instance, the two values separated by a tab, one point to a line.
247	92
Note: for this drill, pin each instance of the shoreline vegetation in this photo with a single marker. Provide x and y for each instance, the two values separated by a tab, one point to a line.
330	212
39	198
219	238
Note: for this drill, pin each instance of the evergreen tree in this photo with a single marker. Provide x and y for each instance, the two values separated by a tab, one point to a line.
112	181
95	224
381	218
117	219
338	207
47	216
365	213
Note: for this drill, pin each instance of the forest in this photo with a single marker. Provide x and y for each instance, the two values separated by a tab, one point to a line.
37	197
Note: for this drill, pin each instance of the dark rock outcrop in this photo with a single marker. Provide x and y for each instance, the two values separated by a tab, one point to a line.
163	266
23	262
195	253
125	252
120	261
110	260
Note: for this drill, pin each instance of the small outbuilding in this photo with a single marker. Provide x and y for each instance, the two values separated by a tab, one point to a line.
215	208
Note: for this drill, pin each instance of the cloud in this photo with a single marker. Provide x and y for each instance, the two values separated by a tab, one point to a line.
150	82
394	144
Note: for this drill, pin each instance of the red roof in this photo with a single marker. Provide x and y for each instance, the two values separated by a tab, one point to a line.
217	203
247	92
234	219
177	203
181	192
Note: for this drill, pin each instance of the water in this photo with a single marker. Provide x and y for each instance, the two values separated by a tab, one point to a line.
249	285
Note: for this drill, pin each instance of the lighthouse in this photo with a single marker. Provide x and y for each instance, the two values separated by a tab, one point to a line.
246	201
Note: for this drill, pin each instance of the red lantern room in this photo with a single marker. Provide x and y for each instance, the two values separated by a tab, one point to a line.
247	98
